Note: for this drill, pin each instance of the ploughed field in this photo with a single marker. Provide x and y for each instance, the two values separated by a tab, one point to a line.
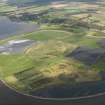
64	58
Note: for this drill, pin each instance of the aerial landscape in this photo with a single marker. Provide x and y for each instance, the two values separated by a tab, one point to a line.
53	48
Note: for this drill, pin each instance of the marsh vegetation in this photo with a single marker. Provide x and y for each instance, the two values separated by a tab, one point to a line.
67	49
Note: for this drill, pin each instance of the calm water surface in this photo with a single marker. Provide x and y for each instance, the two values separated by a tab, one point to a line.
71	91
9	28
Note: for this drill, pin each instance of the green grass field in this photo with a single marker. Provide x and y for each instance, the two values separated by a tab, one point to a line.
43	64
6	8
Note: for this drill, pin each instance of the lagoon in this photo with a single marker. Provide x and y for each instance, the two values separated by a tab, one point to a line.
10	28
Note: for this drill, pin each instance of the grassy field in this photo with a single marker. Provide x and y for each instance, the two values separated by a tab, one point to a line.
45	63
6	8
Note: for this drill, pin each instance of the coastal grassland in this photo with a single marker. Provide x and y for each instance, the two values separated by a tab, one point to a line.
45	35
6	8
33	9
56	35
100	64
71	10
10	64
78	37
96	33
90	42
45	63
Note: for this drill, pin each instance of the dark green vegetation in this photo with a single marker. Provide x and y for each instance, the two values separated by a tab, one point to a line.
66	43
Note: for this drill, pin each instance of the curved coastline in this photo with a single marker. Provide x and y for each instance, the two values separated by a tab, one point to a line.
11	96
15	98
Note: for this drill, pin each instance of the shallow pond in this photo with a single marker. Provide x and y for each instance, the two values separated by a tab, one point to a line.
9	28
15	46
